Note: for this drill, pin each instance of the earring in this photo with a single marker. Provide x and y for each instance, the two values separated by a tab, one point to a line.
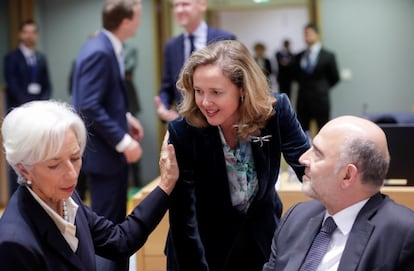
242	99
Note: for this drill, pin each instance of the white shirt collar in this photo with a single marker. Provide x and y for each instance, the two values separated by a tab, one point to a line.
116	43
345	218
67	228
315	48
27	52
200	35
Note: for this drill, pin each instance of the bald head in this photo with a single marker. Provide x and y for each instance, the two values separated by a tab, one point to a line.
361	142
355	127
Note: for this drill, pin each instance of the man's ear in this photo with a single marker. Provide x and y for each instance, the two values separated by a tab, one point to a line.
349	175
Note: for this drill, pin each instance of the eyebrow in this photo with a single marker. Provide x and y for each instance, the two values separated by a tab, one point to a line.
315	147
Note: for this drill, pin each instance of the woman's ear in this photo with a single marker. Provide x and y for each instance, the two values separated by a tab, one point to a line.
23	171
242	92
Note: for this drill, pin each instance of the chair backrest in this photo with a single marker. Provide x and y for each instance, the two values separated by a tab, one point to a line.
400	139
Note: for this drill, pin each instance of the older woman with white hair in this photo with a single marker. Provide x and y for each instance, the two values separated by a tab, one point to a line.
46	226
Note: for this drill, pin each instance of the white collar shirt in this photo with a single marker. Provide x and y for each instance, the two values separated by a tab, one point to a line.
66	228
28	54
313	52
344	220
118	48
200	38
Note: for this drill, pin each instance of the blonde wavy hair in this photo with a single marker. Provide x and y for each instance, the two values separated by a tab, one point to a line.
237	64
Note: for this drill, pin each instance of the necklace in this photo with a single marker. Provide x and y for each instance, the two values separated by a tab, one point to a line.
65	211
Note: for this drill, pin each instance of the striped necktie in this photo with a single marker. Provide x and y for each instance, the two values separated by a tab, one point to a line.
319	246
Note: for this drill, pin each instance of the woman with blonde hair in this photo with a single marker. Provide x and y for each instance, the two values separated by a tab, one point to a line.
228	142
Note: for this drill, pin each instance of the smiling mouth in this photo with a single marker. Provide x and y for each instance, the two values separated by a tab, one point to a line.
211	112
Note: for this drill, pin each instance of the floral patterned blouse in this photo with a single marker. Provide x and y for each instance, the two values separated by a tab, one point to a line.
241	173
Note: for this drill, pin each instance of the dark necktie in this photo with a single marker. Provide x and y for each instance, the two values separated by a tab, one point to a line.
33	66
192	47
319	246
308	62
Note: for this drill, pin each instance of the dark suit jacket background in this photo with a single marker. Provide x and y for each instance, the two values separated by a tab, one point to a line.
99	94
314	88
381	238
174	60
284	72
18	76
203	223
30	240
267	69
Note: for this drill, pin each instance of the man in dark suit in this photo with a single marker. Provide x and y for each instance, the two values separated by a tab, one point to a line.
99	94
189	15
262	60
26	75
344	171
316	71
284	59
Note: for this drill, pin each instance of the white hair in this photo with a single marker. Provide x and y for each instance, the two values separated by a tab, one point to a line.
35	131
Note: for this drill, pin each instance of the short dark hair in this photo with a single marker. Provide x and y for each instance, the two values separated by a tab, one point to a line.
312	26
27	22
259	46
114	11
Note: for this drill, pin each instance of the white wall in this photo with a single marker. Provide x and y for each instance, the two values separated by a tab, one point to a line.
269	26
373	40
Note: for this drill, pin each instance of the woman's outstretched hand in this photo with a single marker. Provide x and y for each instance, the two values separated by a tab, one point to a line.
168	166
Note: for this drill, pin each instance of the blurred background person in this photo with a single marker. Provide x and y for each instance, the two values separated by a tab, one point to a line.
134	106
45	225
100	96
284	59
316	72
197	34
82	185
26	75
261	59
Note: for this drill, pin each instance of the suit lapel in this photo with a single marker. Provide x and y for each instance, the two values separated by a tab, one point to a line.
302	245
262	165
212	145
359	235
48	230
115	63
265	161
320	59
21	58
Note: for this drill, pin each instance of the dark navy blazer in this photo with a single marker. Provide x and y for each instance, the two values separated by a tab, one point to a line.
99	95
203	223
382	237
18	75
174	60
30	240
